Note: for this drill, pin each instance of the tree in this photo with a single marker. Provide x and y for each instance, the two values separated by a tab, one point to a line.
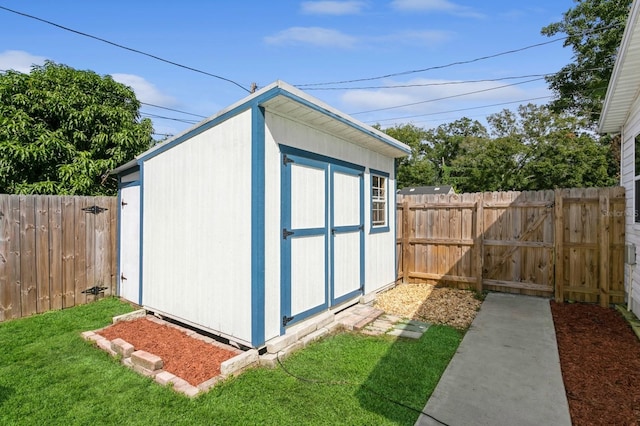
416	169
62	130
594	30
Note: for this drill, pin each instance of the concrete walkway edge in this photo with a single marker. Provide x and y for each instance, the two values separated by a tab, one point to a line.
506	370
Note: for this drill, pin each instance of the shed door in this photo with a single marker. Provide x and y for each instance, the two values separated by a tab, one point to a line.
347	233
322	255
129	277
305	238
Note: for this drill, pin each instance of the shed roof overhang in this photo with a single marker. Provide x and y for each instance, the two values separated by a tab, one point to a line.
283	99
624	85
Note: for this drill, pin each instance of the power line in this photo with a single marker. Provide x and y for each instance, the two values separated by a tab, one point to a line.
447	97
149	115
444	83
465	109
482	58
124	47
174	110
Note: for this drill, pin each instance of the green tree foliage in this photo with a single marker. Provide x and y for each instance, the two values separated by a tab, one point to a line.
415	169
594	30
532	150
62	130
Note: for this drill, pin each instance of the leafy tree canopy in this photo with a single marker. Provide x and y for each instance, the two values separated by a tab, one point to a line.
62	129
594	31
531	149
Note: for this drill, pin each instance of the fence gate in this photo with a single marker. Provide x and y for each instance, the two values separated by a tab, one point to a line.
55	252
568	242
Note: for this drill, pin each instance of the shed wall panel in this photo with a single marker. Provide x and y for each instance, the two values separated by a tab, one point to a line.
197	229
632	232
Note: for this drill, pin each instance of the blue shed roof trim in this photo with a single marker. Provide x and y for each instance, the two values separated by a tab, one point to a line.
275	90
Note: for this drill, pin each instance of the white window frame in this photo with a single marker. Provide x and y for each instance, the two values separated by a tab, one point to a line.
379	195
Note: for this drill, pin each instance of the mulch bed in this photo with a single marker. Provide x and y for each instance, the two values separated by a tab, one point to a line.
600	361
191	359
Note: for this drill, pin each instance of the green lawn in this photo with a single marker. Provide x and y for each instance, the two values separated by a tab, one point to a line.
50	375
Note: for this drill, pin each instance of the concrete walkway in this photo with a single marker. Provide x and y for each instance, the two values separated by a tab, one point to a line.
506	370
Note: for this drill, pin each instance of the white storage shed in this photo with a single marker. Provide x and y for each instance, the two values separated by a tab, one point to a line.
275	209
621	115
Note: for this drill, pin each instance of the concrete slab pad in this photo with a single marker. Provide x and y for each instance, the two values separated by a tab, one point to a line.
506	370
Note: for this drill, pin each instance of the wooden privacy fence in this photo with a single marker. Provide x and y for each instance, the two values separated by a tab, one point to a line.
52	248
567	243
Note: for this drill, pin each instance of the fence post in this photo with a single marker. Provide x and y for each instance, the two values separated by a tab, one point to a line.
559	249
603	249
406	247
478	241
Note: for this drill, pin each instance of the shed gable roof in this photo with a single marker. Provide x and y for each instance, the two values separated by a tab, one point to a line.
624	85
284	99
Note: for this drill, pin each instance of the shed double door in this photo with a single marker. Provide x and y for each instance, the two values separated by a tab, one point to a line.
322	235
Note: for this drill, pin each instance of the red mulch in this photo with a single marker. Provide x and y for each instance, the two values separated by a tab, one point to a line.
186	357
600	360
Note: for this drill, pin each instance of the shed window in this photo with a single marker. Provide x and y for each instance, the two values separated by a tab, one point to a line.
379	203
637	180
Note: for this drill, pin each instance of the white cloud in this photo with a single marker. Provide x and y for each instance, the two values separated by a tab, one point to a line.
145	91
316	36
444	6
332	7
19	60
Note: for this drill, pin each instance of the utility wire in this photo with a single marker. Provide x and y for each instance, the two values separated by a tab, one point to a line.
482	58
446	97
465	109
146	114
174	110
442	83
124	47
445	83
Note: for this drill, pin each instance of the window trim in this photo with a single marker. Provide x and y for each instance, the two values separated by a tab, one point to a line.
375	229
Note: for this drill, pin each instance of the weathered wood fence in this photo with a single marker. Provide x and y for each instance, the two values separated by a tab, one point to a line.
567	243
52	248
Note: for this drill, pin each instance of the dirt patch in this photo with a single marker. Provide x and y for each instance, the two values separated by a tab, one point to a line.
600	361
191	359
425	302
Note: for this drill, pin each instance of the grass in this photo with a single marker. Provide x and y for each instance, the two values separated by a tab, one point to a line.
50	375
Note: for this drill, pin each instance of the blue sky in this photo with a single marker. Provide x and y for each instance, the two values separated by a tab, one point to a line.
302	43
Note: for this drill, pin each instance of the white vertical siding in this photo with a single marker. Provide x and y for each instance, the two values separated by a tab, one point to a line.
197	229
627	175
379	248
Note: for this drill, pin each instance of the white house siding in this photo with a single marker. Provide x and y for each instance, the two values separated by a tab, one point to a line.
197	229
379	248
632	231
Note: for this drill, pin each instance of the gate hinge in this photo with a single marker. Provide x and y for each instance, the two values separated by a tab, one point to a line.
286	160
286	233
95	290
361	228
94	209
286	320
